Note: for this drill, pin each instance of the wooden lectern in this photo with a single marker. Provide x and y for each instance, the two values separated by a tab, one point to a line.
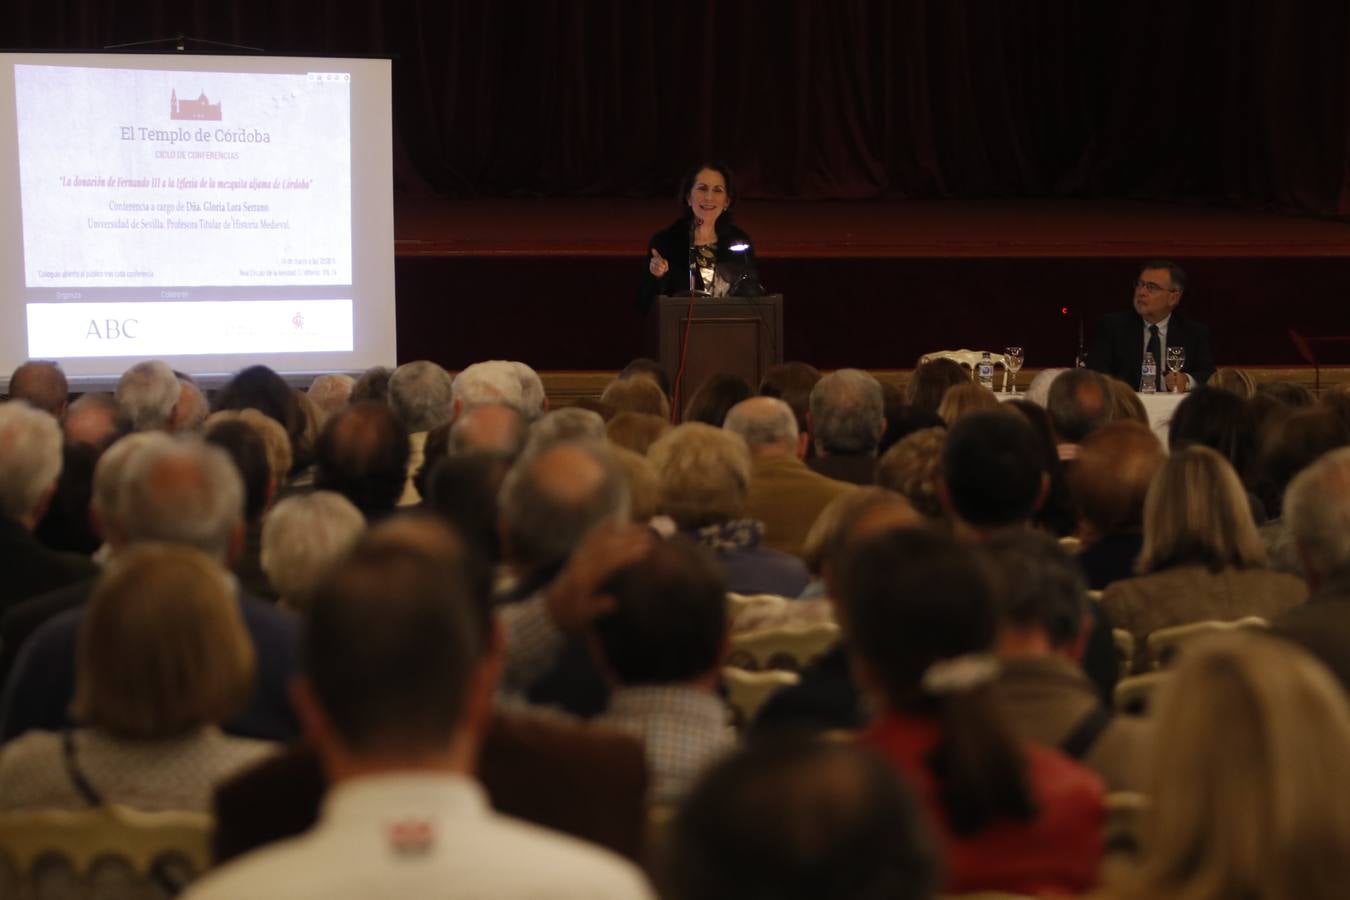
726	335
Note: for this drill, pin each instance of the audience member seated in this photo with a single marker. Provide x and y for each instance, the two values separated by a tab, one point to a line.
147	396
1038	391
1056	513
1125	403
1245	796
847	418
161	660
993	475
784	493
180	491
929	383
330	394
1202	558
249	454
792	383
1079	403
1043	628
30	466
962	399
644	488
192	408
93	419
420	394
714	398
1295	443
302	538
549	503
260	388
913	469
662	645
635	431
1286	392
1235	381
533	401
66	525
1222	422
399	673
362	454
1109	482
920	622
43	385
705	477
372	384
491	429
494	381
642	367
799	820
636	395
571	423
1317	515
826	698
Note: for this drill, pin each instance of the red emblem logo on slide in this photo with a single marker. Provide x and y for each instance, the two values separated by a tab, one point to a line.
200	109
298	320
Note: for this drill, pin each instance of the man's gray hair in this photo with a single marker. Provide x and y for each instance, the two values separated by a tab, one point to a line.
146	395
493	381
531	391
193	408
109	468
571	423
30	457
762	421
1317	512
302	537
847	412
182	491
421	395
330	394
466	435
544	523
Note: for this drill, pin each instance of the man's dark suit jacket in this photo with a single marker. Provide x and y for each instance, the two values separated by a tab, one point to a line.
1322	626
1118	347
40	688
31	568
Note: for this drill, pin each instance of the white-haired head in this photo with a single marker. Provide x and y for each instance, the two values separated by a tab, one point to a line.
494	381
533	401
146	395
30	461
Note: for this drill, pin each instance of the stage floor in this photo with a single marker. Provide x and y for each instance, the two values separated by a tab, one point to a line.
999	229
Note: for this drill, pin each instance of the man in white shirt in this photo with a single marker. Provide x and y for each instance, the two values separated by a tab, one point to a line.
400	665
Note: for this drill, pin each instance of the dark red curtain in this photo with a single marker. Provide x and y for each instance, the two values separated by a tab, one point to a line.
1228	101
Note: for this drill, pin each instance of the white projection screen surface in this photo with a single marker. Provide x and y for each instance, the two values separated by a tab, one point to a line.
211	211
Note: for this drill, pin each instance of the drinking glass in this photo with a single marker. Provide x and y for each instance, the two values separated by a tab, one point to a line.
1176	358
1012	358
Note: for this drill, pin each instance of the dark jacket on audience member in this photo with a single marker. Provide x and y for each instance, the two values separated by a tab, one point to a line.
855	468
42	684
1110	559
31	568
824	700
1322	626
585	781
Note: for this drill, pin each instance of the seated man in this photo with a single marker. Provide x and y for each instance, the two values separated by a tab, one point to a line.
662	645
1043	622
1108	483
399	670
1122	338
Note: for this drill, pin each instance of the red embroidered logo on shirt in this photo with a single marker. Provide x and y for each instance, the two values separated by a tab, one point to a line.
413	837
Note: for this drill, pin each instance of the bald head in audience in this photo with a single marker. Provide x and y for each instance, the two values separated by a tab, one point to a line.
362	454
769	427
42	384
93	419
491	428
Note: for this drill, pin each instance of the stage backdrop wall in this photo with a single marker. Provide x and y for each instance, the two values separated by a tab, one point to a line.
1239	102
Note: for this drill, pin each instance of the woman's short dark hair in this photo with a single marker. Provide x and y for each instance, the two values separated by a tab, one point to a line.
687	185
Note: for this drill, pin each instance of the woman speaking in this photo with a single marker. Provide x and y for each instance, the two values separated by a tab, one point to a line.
703	251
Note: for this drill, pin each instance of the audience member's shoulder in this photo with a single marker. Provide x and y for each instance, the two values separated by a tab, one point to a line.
1059	779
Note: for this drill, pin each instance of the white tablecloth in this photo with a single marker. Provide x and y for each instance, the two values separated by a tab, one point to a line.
1159	407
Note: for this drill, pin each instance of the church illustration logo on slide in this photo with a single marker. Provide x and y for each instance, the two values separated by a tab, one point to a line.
200	109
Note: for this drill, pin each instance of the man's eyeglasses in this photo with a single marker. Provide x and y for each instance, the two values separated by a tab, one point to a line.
1153	287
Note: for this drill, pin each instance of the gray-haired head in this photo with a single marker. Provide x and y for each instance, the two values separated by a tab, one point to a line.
571	423
493	381
1038	392
303	536
420	394
848	413
330	394
763	422
192	409
532	398
93	419
494	429
30	460
181	491
146	395
1317	510
551	499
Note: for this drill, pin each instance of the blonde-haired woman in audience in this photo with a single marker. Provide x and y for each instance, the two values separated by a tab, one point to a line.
302	538
963	399
704	476
162	658
1248	790
635	431
1125	403
913	468
1235	381
1202	557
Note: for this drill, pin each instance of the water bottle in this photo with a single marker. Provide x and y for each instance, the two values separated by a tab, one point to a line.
986	371
1148	375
